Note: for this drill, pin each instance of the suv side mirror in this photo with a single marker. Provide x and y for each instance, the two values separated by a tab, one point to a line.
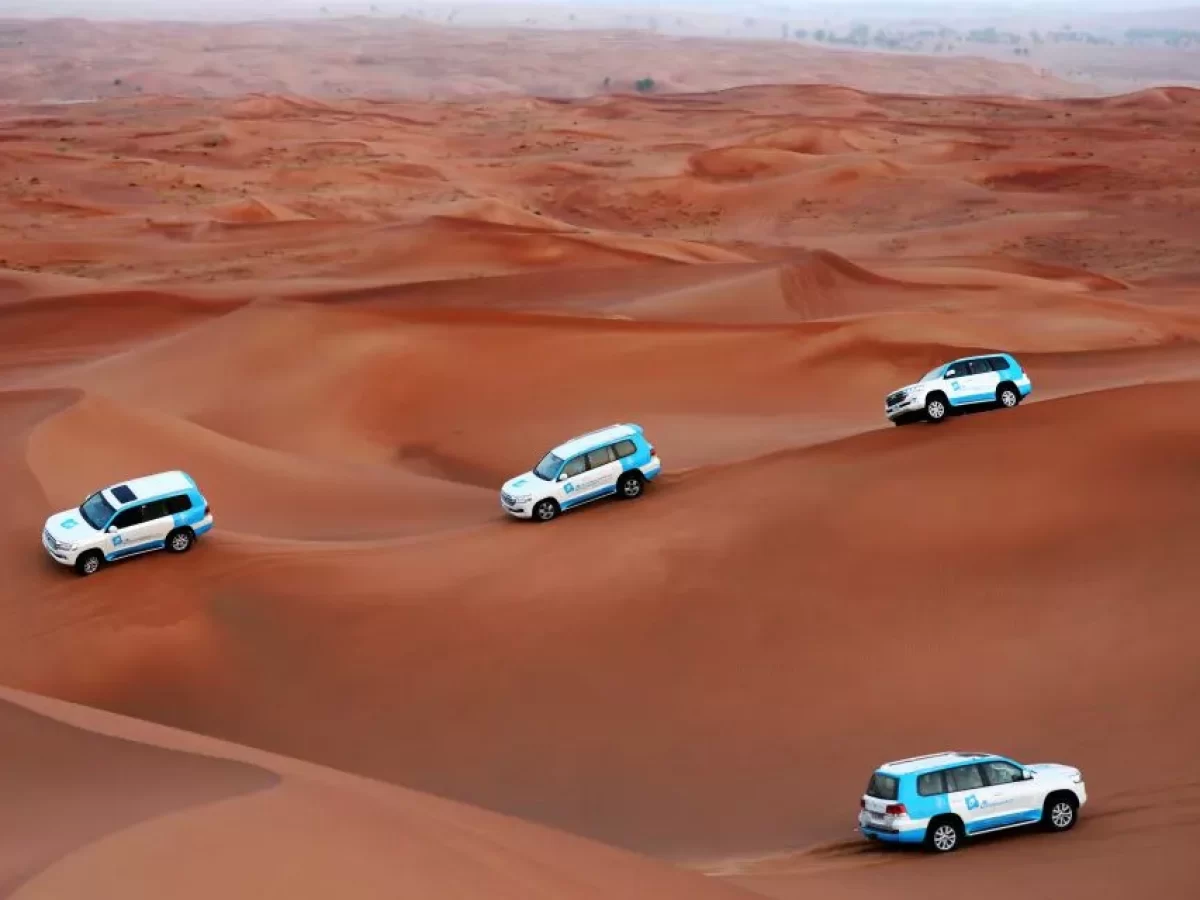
562	476
111	529
1027	774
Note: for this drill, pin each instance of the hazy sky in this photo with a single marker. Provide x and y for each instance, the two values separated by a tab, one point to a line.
796	6
1066	10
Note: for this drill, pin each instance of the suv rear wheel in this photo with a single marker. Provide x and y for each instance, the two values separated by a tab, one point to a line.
630	486
1007	396
944	835
180	540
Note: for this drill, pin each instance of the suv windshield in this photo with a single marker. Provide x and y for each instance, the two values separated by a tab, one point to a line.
96	510
548	467
932	374
882	787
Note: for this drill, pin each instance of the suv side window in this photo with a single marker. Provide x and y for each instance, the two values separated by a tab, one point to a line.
128	517
999	363
155	509
964	778
978	366
177	504
931	784
997	772
575	467
601	456
624	448
958	370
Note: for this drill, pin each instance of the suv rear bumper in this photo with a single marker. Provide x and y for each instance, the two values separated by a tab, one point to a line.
908	836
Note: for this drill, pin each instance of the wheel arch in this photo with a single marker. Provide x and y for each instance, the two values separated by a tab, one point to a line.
939	818
944	818
1062	793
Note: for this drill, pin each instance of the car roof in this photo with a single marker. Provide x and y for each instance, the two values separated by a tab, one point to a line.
979	356
593	439
149	486
917	764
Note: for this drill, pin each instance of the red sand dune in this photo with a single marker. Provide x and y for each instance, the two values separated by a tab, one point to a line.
124	809
706	675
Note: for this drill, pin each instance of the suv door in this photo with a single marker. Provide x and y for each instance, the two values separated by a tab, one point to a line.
569	484
968	794
130	534
957	384
157	521
1014	799
603	470
982	379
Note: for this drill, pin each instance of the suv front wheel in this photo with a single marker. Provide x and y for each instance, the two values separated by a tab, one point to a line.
1059	812
936	408
88	563
545	510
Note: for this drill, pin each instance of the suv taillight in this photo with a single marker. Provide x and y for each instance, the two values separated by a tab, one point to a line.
206	509
651	449
896	809
862	802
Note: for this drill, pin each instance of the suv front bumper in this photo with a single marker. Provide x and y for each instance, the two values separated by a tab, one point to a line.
905	407
56	552
516	508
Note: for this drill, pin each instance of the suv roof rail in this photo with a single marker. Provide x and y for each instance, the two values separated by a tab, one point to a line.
922	756
599	430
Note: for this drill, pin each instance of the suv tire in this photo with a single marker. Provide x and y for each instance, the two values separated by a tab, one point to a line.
545	510
630	486
89	563
180	540
936	408
944	835
1060	812
1007	395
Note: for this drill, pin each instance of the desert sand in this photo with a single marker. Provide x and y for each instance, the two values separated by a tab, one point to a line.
352	320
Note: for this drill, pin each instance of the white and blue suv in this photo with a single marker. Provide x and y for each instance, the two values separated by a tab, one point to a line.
992	379
614	460
156	512
940	799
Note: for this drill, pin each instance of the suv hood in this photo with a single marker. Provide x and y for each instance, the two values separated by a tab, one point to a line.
1053	769
528	483
69	526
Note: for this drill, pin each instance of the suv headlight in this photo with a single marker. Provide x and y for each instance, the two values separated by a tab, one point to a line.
63	545
521	498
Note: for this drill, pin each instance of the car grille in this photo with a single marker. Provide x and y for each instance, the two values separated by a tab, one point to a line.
895	398
50	541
